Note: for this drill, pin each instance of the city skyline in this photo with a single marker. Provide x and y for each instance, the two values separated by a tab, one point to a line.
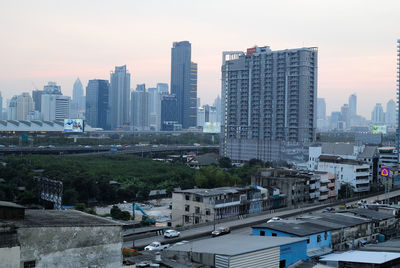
351	59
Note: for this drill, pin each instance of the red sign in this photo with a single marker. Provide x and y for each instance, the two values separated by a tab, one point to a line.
251	51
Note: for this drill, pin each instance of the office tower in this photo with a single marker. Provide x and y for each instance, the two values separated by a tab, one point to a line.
184	83
119	97
155	109
390	115
378	116
97	103
12	108
169	113
52	88
62	107
268	97
78	100
24	106
353	105
162	88
217	105
55	107
345	111
37	99
206	114
321	108
140	108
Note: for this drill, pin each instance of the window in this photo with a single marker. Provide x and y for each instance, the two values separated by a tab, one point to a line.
274	234
308	240
326	235
187	207
197	210
187	197
262	233
196	220
29	264
318	238
208	212
187	219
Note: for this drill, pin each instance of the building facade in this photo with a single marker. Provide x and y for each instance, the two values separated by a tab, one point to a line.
184	83
97	98
268	97
25	105
169	113
140	108
119	102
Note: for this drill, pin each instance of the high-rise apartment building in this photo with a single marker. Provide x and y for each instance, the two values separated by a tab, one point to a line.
140	108
154	109
184	83
55	107
97	103
24	106
321	108
346	115
120	81
377	115
50	89
353	105
269	99
62	107
169	113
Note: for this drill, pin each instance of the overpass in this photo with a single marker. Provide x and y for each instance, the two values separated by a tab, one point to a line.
93	150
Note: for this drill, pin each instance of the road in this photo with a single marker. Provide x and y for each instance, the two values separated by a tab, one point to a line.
241	225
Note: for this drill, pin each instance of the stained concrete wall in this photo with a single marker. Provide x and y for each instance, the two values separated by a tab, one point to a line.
72	246
9	257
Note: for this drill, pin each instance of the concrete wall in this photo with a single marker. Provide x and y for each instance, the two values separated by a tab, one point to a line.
9	257
72	246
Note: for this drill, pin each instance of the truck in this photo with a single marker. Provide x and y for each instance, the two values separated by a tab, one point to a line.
156	246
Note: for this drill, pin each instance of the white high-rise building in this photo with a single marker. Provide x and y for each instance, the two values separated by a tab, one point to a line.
353	105
55	107
63	107
390	115
119	104
154	109
24	106
378	116
140	108
12	108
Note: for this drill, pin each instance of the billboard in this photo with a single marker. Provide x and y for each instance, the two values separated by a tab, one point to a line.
73	125
212	127
379	129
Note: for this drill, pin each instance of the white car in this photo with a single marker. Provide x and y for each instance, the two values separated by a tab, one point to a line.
156	246
274	219
171	233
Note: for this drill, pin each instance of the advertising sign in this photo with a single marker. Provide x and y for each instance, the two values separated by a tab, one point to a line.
385	172
212	127
73	125
379	129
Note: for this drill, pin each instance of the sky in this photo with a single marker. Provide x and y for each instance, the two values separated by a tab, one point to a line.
61	40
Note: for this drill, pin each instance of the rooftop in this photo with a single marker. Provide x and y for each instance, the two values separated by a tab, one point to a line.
214	191
388	246
9	204
370	214
338	159
369	152
59	218
338	148
362	257
295	227
232	245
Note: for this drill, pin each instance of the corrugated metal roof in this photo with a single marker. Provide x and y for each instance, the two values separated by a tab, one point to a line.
362	257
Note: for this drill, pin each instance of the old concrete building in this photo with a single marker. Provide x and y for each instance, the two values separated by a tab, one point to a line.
195	206
53	238
299	186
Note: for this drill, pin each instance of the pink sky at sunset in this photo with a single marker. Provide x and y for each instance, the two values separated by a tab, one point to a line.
61	40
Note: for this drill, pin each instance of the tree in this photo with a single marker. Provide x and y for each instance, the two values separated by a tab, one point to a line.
346	191
225	162
115	212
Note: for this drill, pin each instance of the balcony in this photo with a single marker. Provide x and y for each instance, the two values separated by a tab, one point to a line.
362	181
331	185
323	189
332	193
323	197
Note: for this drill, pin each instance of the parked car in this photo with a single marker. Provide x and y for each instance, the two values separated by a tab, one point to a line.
328	209
220	231
274	219
156	246
171	233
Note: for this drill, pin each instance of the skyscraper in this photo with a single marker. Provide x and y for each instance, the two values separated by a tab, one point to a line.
169	113
390	115
162	88
269	97
55	107
78	102
97	103
353	106
52	88
217	105
140	108
184	83
154	109
378	116
321	108
24	106
120	81
346	115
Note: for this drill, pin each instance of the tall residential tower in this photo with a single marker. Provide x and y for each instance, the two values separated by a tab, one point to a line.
120	81
269	98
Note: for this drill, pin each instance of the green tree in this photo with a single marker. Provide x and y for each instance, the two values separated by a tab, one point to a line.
346	191
225	162
115	212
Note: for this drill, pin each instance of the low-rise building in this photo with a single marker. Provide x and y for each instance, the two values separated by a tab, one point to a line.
195	206
55	238
299	186
362	259
241	251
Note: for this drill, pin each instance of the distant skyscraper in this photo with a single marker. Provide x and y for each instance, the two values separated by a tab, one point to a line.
55	107
78	102
353	105
52	88
390	115
169	113
321	108
140	108
12	109
24	106
378	116
63	104
119	97
162	88
97	103
269	97
37	99
217	105
155	109
184	83
345	111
